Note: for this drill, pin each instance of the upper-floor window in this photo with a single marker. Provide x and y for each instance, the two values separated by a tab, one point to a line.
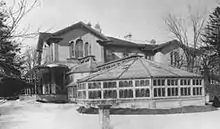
79	48
72	49
86	49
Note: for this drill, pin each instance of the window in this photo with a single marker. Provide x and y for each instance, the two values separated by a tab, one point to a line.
185	91
159	92
94	94
139	83
172	82
125	84
185	82
72	49
197	82
172	91
94	85
128	93
81	94
86	49
158	82
81	86
109	84
110	94
197	90
142	92
79	48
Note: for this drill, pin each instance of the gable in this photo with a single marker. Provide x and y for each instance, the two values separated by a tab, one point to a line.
63	36
71	35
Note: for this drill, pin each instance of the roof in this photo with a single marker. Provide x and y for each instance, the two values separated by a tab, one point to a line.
122	43
71	84
46	66
138	68
151	47
88	66
56	35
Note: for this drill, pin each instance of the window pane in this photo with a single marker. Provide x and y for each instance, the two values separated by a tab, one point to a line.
189	91
108	94
137	83
155	92
79	49
177	91
147	93
169	92
155	82
86	49
168	82
147	83
163	82
163	91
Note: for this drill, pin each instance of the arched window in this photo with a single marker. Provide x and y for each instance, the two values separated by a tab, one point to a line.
72	49
86	49
79	48
90	50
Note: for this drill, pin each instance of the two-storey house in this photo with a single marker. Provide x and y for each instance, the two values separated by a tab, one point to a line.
76	51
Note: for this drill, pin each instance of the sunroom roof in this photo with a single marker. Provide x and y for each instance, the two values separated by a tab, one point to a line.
138	67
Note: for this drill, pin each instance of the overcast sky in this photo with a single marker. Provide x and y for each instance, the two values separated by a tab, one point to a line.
142	18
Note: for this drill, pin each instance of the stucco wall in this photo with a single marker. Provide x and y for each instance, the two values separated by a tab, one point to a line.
64	53
64	48
45	54
161	58
96	49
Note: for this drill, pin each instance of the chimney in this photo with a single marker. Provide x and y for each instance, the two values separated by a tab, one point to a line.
153	42
98	28
128	36
89	24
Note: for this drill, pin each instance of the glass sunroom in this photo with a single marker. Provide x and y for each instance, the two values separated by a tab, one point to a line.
140	83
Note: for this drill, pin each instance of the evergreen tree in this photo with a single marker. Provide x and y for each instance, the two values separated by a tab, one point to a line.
211	38
9	48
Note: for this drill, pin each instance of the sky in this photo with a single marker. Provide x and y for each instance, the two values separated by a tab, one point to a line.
144	19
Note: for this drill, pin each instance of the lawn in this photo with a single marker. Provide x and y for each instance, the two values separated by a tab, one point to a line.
30	115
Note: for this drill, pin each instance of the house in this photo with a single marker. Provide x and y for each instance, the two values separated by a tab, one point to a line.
79	50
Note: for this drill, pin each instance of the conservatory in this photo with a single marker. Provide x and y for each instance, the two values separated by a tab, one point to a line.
136	82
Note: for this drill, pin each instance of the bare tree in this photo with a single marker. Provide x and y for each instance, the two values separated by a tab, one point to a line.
188	30
30	58
15	13
12	35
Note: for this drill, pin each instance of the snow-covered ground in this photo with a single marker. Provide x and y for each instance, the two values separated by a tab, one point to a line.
29	115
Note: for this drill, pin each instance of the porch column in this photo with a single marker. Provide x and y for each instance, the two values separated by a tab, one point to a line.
50	77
